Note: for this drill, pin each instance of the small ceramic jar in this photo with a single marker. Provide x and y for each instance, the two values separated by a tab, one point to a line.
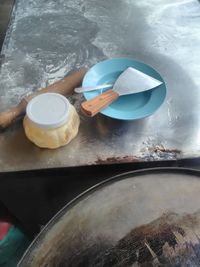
50	121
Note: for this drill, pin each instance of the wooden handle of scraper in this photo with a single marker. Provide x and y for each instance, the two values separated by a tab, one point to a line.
93	106
63	87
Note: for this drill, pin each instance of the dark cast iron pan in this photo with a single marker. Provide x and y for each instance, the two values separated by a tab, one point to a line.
141	218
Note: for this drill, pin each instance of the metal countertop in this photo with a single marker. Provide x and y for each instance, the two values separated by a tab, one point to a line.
47	39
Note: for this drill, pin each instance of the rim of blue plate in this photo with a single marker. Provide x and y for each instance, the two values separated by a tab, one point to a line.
122	109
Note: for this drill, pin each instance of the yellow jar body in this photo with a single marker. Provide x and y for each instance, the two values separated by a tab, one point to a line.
56	137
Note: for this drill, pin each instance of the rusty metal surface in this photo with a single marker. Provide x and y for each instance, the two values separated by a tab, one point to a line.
47	39
145	218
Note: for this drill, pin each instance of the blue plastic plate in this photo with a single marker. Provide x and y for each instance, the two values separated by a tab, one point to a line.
129	107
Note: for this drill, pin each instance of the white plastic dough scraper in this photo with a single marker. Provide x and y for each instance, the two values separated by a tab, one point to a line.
131	81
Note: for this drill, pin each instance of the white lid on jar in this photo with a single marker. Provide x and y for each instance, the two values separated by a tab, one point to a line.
48	110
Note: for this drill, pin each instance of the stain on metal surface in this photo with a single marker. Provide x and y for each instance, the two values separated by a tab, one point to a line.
156	152
125	159
165	150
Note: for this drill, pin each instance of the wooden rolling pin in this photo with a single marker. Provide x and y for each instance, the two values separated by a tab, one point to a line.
63	87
